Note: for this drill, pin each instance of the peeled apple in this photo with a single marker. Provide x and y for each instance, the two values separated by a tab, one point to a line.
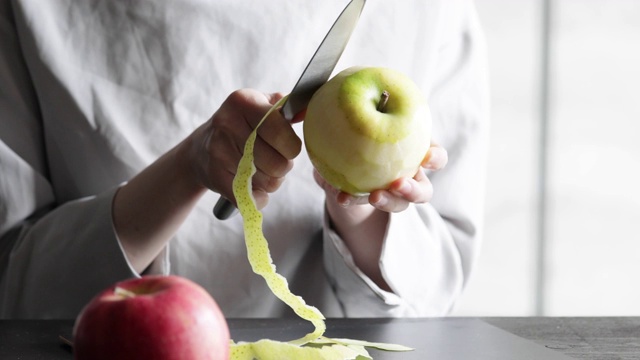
367	127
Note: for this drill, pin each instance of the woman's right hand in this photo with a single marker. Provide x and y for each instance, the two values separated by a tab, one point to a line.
217	146
148	210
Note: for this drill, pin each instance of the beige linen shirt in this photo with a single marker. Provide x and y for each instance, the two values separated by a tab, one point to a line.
93	91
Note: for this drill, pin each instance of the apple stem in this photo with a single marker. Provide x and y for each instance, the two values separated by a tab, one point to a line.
384	98
124	292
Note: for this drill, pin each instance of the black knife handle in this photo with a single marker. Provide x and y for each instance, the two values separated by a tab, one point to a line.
224	209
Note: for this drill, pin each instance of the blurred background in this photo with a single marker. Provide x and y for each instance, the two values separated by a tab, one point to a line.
562	235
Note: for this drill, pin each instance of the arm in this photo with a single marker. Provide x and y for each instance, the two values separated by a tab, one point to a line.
361	222
74	250
46	250
55	257
150	208
418	263
57	249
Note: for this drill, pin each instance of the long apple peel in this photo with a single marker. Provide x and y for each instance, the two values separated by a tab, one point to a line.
313	345
257	245
275	350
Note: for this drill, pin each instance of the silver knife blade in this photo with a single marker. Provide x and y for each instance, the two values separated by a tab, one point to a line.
316	73
324	60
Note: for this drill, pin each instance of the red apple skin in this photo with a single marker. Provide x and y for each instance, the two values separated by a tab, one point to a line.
170	317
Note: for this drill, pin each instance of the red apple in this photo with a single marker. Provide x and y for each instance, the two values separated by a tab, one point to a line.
154	317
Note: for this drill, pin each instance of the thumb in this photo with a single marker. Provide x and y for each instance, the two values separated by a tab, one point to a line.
274	97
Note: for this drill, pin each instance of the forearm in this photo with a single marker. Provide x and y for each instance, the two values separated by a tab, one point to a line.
150	208
53	265
423	261
362	229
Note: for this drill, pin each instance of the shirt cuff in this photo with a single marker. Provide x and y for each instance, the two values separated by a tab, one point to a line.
159	266
358	294
419	262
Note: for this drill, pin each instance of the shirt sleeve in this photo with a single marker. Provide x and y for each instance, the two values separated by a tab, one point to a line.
51	266
53	257
57	263
430	249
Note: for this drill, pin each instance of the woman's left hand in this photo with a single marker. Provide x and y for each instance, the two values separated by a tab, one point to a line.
400	193
361	222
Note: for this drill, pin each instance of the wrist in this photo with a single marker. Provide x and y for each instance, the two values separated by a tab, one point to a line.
346	217
188	158
362	228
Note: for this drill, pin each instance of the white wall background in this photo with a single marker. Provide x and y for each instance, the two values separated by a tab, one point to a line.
589	261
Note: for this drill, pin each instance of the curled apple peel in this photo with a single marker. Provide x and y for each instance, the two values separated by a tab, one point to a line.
257	245
313	345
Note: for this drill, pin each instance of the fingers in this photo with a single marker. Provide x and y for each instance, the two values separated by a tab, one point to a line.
436	158
299	116
273	98
342	198
396	198
402	193
228	129
385	201
278	133
276	130
418	189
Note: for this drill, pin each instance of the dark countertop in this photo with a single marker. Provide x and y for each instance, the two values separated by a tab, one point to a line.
603	338
606	338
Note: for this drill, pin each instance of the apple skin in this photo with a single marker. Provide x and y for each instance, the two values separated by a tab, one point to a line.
161	318
356	147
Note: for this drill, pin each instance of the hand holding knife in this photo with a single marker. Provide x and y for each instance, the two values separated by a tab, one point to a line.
316	73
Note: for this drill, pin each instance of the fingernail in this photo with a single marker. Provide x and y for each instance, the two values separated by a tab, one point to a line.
345	203
431	162
402	189
437	159
405	187
382	201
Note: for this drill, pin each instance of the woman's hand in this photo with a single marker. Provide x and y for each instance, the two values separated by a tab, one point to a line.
401	192
361	222
218	145
149	209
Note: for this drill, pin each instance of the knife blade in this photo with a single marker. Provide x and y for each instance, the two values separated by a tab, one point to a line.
316	73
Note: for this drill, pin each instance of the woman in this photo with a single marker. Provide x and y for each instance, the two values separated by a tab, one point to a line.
107	163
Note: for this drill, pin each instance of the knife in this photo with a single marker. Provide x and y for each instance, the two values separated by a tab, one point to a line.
316	73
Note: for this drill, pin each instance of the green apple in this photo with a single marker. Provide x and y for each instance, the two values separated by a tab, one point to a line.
367	127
